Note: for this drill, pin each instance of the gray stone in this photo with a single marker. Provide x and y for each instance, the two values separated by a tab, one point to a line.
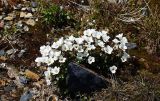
34	4
2	52
81	79
22	14
19	25
26	96
23	9
23	79
131	45
26	28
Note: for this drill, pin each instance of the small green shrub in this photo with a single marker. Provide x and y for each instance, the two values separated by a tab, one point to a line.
57	17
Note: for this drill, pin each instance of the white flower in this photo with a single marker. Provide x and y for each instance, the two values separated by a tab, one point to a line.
48	73
62	59
55	70
124	40
123	43
104	32
85	53
57	53
87	39
125	57
90	47
48	76
105	38
123	46
116	41
100	43
60	41
97	35
119	36
80	56
41	60
108	49
57	44
65	47
113	69
89	32
91	59
50	61
79	40
120	42
44	50
80	49
71	38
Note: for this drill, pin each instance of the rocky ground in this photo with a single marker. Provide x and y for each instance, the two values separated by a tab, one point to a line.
22	32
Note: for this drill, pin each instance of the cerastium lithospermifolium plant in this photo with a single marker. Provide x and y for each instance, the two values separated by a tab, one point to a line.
81	48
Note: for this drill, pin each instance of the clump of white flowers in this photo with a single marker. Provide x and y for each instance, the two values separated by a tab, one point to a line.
82	47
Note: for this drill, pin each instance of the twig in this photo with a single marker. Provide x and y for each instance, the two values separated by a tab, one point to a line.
11	44
148	7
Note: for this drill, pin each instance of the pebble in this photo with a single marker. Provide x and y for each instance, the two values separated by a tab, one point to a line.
28	15
1	17
22	14
23	9
8	18
34	4
131	45
23	79
33	9
19	24
26	28
36	19
1	24
30	22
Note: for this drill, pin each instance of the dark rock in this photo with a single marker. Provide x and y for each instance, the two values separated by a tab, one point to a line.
26	96
81	79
